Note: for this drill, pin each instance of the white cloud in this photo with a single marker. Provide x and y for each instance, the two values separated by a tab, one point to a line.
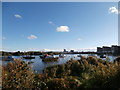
113	10
79	39
50	22
54	50
17	16
63	29
32	37
87	49
82	49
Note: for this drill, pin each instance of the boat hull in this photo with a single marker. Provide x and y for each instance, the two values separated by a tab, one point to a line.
50	59
29	57
102	56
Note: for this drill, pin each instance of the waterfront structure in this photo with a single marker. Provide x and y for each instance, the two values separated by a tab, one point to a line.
114	49
71	50
99	50
106	49
65	50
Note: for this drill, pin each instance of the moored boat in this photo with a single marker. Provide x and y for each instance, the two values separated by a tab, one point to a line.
50	59
28	57
79	55
103	56
42	56
45	56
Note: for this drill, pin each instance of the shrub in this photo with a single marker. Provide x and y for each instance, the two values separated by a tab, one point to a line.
90	72
17	75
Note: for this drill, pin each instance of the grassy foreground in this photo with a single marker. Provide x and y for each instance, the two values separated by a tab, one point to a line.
90	72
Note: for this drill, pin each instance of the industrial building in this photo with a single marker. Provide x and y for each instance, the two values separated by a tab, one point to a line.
114	49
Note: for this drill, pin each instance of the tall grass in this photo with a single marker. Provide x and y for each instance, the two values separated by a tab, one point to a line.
88	72
17	75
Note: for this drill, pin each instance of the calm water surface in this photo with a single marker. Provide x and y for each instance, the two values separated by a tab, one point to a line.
38	65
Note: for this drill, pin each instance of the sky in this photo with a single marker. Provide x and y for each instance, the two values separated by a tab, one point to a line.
60	0
59	25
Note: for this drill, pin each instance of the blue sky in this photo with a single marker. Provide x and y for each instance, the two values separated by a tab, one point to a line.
55	26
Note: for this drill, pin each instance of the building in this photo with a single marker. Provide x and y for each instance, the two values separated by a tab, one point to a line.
65	50
71	50
99	50
114	49
106	49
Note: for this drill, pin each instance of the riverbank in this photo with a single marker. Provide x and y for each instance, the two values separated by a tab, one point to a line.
88	72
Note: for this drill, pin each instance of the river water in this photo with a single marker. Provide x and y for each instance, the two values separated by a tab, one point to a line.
38	65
